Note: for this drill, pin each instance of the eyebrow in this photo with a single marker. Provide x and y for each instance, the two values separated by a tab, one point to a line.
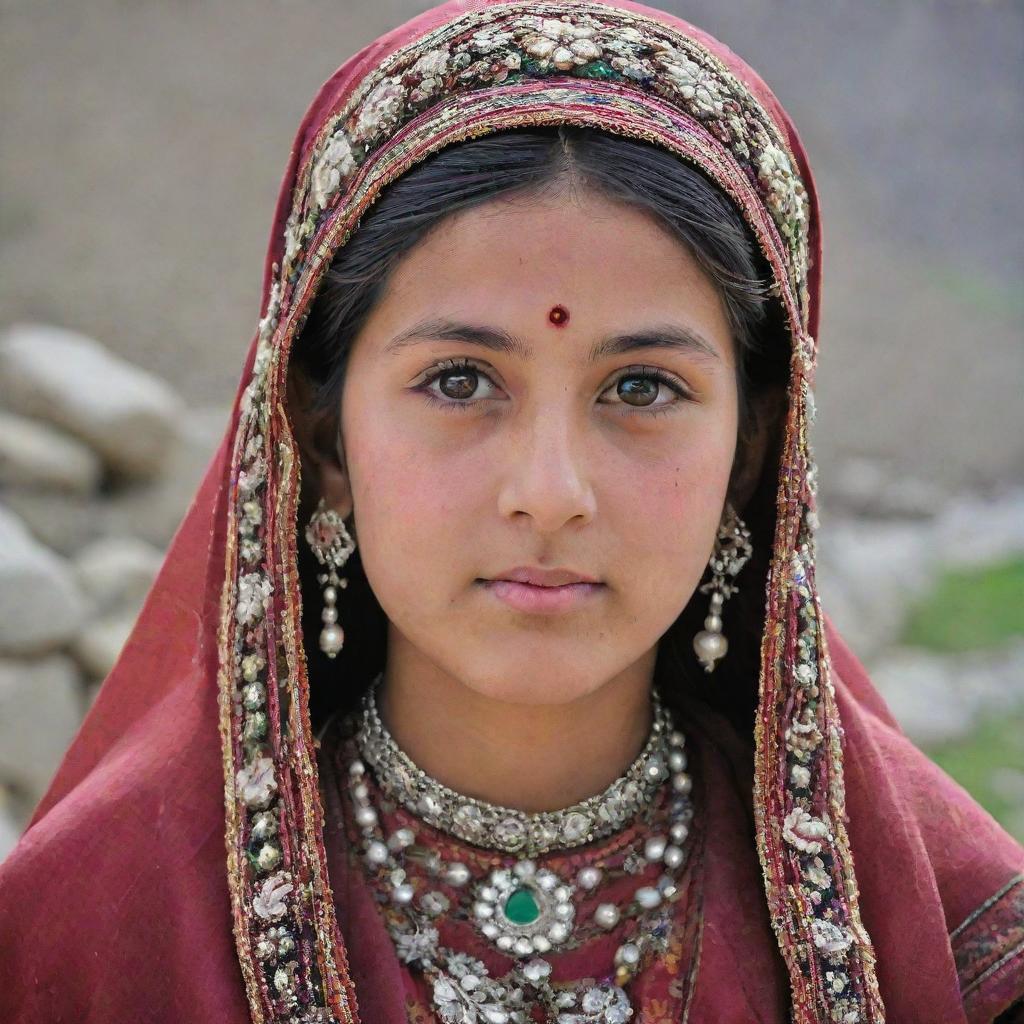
668	336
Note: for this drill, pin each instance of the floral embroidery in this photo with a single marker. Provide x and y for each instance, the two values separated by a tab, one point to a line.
254	592
335	163
252	665
564	44
430	70
814	872
270	901
804	832
803	735
256	782
379	112
829	937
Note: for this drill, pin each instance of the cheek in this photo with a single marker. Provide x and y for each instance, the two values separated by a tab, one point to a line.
667	521
410	512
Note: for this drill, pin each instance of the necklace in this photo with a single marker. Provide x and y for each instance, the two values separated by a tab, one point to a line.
523	908
504	828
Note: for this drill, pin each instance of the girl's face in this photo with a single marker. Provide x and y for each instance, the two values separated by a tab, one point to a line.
550	383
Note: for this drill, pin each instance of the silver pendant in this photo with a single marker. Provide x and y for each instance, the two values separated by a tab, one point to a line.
600	1004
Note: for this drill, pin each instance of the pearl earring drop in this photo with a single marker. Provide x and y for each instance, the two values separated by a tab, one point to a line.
732	552
332	544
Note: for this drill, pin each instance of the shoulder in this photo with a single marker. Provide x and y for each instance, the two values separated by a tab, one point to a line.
113	895
914	827
925	851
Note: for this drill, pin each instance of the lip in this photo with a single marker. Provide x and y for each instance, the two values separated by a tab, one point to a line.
539	577
526	597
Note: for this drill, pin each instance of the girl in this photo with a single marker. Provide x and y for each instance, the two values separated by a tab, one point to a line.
490	648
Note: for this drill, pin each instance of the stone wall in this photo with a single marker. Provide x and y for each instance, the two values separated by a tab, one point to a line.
98	462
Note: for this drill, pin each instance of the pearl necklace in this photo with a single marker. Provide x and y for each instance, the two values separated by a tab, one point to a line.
506	829
523	909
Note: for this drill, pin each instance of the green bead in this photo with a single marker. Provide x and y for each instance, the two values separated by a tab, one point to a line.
521	907
598	69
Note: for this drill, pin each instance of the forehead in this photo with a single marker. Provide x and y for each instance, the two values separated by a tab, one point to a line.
508	262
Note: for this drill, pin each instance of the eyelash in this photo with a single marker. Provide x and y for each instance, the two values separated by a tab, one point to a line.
462	363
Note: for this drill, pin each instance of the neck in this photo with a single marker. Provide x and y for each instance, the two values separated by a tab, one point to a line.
529	757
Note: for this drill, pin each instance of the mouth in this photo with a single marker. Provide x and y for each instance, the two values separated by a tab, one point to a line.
529	597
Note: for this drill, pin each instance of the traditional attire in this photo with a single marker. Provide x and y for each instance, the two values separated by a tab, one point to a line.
193	858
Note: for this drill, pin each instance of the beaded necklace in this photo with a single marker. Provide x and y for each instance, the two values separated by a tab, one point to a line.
522	907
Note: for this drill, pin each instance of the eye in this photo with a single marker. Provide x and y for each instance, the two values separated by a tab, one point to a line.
646	391
459	378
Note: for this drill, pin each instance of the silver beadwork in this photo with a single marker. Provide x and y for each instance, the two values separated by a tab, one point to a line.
502	828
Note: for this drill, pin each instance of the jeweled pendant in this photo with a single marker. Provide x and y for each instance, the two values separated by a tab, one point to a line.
523	910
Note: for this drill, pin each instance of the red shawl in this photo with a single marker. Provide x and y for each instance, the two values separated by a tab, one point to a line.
131	896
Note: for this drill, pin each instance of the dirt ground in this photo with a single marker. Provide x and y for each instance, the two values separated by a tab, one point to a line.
143	144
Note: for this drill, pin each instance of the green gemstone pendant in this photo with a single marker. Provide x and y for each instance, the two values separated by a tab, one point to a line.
521	907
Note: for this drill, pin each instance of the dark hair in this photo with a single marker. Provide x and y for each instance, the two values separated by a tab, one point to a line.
537	161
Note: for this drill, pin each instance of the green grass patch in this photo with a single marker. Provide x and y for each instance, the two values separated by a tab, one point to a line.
970	610
995	745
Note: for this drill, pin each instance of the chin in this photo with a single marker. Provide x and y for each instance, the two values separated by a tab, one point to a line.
526	681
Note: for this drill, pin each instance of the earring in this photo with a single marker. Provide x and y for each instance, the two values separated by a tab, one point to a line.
732	551
332	544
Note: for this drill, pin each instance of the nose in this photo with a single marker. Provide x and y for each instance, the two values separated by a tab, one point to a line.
546	475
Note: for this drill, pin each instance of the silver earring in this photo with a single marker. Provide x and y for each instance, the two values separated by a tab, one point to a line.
332	545
732	551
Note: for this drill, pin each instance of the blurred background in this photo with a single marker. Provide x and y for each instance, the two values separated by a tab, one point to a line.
143	145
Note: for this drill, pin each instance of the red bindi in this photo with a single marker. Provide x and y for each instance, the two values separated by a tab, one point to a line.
559	315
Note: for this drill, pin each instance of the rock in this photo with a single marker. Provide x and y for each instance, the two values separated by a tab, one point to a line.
99	644
40	711
992	681
938	698
67	379
64	522
155	512
117	572
10	831
872	489
871	570
41	607
35	456
972	532
868	572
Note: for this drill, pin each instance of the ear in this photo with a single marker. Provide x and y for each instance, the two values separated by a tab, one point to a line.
324	474
753	446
